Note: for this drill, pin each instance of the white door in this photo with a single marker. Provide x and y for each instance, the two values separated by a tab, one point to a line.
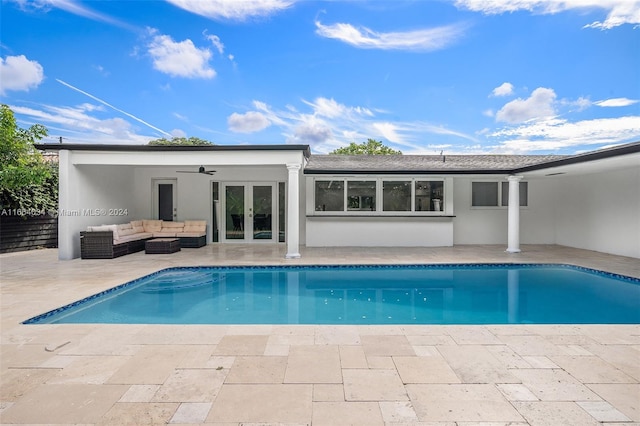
165	206
250	212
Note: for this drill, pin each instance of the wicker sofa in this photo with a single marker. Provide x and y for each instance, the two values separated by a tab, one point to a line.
110	241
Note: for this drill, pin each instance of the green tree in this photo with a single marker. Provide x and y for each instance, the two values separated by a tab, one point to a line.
193	141
27	180
370	147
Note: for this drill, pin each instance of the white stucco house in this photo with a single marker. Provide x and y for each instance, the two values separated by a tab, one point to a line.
283	194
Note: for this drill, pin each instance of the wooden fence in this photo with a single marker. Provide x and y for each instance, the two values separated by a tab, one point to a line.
20	233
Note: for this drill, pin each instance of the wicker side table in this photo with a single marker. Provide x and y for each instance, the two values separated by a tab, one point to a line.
162	246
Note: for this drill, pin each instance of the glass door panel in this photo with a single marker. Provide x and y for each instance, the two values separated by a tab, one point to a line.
262	212
234	212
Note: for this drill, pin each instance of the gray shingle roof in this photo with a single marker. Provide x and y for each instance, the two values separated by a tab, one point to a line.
325	164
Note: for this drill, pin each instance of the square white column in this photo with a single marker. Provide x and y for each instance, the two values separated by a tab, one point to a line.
513	225
293	212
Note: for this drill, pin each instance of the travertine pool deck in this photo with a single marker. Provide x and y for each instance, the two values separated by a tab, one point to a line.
368	375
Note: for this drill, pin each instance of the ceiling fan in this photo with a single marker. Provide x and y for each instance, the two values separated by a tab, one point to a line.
201	169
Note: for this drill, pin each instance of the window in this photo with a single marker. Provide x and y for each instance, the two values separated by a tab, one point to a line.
490	194
329	195
361	195
524	194
429	196
396	196
484	194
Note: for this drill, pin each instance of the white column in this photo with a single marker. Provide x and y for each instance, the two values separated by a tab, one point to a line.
65	230
293	212
513	233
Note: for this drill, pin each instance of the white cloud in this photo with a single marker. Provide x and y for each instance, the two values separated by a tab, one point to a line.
505	89
619	12
418	40
178	133
180	59
80	124
215	40
19	74
560	133
312	132
73	7
616	102
249	122
539	105
237	10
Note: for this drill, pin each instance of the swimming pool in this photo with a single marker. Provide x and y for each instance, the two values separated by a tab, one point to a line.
359	294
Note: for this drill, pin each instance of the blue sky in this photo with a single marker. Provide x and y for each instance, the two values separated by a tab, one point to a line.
458	76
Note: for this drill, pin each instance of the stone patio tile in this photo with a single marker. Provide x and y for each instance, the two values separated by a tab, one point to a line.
475	364
89	370
591	369
507	356
105	340
313	364
291	339
547	413
516	392
472	335
531	345
267	403
373	385
460	403
618	335
398	412
425	370
380	329
151	365
197	385
427	351
381	362
346	413
386	346
624	357
170	334
293	330
249	329
251	369
140	393
337	335
198	357
430	340
510	330
191	413
220	362
352	357
71	403
16	382
58	361
554	385
624	397
328	392
539	362
241	345
24	356
133	414
602	411
276	350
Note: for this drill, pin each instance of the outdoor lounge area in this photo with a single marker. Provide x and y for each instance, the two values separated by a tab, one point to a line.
111	241
278	374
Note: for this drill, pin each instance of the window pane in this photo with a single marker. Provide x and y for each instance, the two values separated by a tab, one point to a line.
484	194
524	194
429	196
361	195
329	195
396	196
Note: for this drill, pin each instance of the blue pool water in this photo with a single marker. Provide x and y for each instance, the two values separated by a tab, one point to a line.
414	294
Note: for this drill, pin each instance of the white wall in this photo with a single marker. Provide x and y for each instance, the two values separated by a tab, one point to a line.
93	195
488	225
600	212
344	231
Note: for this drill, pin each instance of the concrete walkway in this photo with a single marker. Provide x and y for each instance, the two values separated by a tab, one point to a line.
369	375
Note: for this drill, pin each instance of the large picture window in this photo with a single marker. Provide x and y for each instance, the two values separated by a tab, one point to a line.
396	196
429	196
329	195
361	195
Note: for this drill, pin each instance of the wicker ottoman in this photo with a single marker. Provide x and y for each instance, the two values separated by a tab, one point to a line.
162	246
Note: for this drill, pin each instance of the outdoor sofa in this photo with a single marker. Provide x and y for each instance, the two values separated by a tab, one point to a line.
110	241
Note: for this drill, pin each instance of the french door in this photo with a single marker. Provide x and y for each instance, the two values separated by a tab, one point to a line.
250	212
